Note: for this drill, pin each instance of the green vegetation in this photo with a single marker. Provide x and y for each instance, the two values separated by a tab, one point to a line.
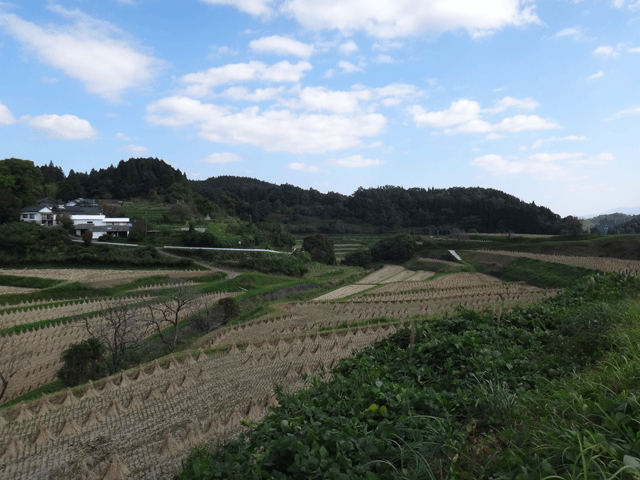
543	274
28	282
538	392
321	248
82	362
294	264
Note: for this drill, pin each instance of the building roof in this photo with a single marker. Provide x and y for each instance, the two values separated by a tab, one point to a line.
102	228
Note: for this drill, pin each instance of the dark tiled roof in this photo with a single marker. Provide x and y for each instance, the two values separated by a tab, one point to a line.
31	209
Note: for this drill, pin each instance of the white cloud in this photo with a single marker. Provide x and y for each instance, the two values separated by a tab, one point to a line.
597	160
576	33
521	123
606	51
6	117
384	59
303	167
625	113
64	127
386	45
543	165
569	138
258	8
90	50
329	73
123	137
272	130
221	158
464	114
258	95
321	98
49	80
356	161
348	67
347	48
634	50
201	84
398	18
510	102
495	136
600	74
395	93
282	46
632	5
135	149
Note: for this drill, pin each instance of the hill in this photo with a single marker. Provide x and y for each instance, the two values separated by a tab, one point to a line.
372	210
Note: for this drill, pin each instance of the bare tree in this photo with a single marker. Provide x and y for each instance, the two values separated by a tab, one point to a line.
118	328
13	358
170	311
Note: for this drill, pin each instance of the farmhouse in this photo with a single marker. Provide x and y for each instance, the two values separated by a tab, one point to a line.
84	213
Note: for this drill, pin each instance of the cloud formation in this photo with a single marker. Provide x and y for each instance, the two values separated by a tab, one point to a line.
542	165
357	161
221	158
89	50
465	116
201	84
274	130
303	167
6	117
387	19
63	127
258	8
135	149
281	46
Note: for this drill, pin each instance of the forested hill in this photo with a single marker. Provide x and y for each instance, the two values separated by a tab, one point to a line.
382	209
371	210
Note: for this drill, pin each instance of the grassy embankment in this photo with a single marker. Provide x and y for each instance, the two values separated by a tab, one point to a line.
546	391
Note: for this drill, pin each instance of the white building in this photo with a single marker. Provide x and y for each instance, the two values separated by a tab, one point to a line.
38	214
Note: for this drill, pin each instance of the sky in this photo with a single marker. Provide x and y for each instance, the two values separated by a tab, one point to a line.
539	99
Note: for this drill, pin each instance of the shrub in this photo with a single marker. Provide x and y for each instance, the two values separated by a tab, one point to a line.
399	249
321	249
82	361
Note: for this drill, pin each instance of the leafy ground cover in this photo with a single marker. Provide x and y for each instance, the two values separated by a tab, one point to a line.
27	282
546	392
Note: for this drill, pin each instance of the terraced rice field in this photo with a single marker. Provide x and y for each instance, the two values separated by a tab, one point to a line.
42	347
142	423
631	267
100	278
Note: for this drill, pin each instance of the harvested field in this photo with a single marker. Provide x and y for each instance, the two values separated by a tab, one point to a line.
151	419
344	292
146	420
101	278
598	263
44	346
393	273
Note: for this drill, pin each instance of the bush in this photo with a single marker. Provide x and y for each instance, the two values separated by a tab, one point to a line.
82	361
230	308
398	249
321	249
359	258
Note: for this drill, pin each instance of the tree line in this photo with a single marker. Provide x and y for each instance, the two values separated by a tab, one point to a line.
382	209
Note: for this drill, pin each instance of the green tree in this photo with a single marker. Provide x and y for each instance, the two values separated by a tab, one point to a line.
321	249
21	185
87	237
82	362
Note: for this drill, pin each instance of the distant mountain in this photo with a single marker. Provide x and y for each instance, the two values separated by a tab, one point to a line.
607	221
623	210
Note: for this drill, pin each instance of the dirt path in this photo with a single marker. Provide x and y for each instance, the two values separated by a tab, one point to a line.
230	273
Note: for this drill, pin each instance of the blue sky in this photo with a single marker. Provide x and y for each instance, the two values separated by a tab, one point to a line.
538	99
